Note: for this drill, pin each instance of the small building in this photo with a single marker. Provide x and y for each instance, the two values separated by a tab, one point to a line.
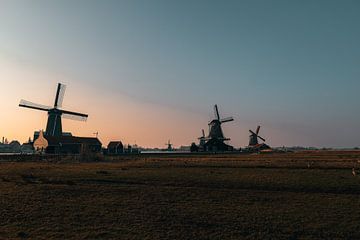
15	145
72	145
27	148
115	148
12	147
194	148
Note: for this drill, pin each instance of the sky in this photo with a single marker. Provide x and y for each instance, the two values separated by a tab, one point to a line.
150	71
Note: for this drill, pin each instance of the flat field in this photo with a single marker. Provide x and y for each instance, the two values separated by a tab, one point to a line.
306	195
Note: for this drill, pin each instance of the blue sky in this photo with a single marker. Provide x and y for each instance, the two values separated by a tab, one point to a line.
291	66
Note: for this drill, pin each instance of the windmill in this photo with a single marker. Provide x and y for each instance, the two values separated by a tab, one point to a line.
215	131
253	138
254	145
169	146
55	113
202	138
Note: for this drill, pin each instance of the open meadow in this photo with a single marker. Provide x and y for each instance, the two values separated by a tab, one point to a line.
305	195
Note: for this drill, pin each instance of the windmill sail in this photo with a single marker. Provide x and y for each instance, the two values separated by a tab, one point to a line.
257	130
228	119
74	117
216	111
60	95
64	112
28	104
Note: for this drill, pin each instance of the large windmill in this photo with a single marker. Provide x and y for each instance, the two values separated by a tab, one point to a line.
55	113
254	136
215	141
215	131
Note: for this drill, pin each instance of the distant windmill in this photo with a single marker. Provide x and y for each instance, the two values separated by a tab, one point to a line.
215	131
202	138
54	126
169	146
253	140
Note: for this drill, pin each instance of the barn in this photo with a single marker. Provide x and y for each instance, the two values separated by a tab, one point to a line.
115	148
72	145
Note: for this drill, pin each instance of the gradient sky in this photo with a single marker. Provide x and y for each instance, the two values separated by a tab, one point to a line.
149	71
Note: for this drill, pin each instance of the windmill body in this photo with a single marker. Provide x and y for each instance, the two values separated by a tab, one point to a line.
54	125
55	113
253	140
215	130
254	136
202	139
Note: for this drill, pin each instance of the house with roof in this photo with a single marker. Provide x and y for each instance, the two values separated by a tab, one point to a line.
72	145
115	148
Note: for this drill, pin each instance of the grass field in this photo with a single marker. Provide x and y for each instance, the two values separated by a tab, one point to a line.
308	195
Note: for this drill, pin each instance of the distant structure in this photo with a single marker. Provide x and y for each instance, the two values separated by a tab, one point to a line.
14	147
169	146
202	140
115	148
55	113
215	141
253	138
132	149
254	144
73	145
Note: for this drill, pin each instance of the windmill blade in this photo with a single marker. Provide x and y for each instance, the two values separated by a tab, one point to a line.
216	110
257	130
252	132
59	95
28	104
228	119
74	115
261	138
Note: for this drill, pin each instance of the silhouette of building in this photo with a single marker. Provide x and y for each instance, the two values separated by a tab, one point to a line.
215	141
15	147
115	148
72	145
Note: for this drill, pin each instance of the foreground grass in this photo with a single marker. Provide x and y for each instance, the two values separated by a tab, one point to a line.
182	198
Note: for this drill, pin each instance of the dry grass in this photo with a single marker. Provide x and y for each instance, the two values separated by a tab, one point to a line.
286	196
